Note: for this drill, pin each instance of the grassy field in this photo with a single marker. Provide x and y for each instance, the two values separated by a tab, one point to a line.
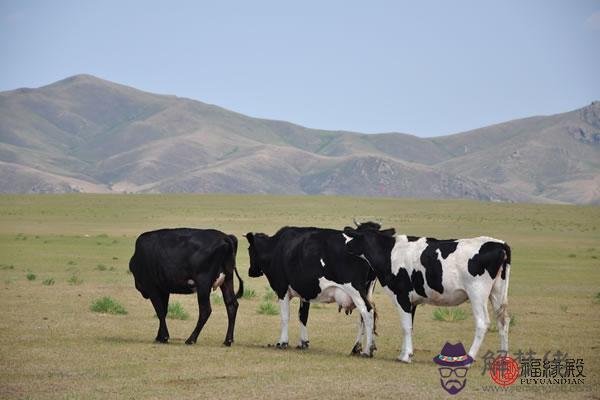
59	254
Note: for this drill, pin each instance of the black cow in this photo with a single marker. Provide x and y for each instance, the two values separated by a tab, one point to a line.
185	261
415	270
312	264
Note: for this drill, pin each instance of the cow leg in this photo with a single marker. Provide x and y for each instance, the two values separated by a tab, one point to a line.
284	308
413	310
407	345
357	349
303	317
361	333
482	319
160	301
204	311
231	304
367	315
499	300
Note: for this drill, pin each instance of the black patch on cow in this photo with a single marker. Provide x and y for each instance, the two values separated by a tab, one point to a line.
418	282
401	285
506	262
427	239
490	258
369	225
447	248
433	266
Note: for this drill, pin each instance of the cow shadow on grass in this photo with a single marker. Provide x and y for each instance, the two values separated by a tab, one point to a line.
122	339
133	340
149	341
316	352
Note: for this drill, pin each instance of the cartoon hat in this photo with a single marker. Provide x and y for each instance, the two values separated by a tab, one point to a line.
453	355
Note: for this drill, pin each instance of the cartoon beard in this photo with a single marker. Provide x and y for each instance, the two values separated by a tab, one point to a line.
453	386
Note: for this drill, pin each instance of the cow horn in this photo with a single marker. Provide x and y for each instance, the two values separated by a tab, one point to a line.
355	223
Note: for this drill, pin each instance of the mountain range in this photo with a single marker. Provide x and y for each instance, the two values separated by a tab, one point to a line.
85	134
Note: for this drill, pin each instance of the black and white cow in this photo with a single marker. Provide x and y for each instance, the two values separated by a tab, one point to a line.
312	264
415	270
185	261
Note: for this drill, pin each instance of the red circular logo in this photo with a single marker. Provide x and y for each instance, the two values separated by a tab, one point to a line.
504	370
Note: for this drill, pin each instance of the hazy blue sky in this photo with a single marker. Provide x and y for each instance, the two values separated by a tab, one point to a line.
421	67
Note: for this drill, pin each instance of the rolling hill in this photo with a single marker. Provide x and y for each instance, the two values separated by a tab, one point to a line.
90	135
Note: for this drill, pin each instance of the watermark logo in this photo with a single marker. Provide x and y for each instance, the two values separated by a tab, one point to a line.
453	364
549	371
504	370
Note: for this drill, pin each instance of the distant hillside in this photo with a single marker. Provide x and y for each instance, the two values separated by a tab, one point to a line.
87	134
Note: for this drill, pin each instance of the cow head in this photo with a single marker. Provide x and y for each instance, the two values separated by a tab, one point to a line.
258	252
372	244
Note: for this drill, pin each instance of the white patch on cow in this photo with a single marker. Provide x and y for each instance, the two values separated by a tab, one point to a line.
219	281
284	308
322	263
303	333
346	237
406	253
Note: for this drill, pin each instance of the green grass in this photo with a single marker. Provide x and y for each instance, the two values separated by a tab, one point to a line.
176	311
30	276
75	279
269	294
107	305
449	314
50	337
101	267
48	281
564	307
249	294
267	308
216	298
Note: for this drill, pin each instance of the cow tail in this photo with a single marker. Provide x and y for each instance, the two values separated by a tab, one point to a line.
370	298
506	273
240	291
234	243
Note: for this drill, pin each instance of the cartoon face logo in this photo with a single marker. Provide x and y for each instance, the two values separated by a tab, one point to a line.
453	367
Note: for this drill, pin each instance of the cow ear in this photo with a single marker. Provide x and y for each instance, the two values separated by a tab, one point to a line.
348	231
389	232
249	237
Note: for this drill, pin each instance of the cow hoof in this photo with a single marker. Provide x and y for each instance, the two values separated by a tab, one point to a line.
282	346
228	342
405	360
303	345
161	340
366	355
356	350
190	341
